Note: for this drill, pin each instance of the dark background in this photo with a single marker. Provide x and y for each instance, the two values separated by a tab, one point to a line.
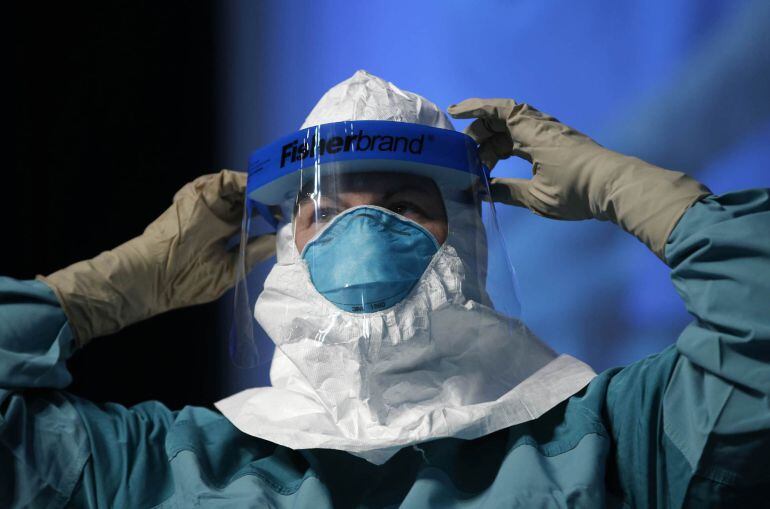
116	105
112	114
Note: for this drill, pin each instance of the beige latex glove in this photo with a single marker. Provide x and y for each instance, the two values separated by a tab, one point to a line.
179	260
573	177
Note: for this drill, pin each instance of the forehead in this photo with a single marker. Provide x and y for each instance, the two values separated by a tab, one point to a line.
370	182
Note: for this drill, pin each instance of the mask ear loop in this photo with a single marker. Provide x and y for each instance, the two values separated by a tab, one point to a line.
242	343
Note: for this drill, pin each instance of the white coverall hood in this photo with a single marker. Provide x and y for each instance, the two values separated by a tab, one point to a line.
441	363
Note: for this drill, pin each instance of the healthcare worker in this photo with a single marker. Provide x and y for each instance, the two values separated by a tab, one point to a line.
400	378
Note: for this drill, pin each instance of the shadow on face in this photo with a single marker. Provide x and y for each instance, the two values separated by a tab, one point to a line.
414	197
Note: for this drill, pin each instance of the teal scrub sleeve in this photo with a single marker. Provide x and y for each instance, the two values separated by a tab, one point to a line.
692	424
35	339
52	442
43	446
717	405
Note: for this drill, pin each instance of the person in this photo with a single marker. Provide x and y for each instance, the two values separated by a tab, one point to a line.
369	354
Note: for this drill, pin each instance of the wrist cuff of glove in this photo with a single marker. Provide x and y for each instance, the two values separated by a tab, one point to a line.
649	204
76	319
98	298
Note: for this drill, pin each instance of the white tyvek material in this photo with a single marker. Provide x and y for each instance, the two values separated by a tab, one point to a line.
441	363
367	97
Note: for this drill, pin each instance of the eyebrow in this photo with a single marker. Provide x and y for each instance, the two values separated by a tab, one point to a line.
405	189
402	189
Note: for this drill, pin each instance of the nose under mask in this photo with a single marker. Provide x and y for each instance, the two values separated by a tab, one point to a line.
368	259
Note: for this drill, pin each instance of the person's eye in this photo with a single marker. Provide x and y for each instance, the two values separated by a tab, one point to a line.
407	209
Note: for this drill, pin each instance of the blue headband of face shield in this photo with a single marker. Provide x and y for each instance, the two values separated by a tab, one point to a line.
277	171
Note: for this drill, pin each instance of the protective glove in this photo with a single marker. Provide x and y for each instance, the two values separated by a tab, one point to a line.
573	177
180	260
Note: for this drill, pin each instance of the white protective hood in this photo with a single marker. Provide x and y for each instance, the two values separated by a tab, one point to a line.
442	363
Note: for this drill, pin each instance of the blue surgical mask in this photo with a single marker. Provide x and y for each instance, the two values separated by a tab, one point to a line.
368	259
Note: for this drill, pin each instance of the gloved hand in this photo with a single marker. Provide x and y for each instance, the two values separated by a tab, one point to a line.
573	177
180	260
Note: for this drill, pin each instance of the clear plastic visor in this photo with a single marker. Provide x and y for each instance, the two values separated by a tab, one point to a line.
383	242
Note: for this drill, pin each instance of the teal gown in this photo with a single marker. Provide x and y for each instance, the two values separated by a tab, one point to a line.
688	427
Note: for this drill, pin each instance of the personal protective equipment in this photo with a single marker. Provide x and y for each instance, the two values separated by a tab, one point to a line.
180	260
440	353
686	427
368	258
573	177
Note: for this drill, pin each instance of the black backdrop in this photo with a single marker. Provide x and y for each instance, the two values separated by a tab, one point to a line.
113	112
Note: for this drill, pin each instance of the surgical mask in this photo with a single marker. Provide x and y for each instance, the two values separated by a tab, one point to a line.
368	258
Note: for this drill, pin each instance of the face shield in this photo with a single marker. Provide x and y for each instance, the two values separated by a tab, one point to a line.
390	316
382	228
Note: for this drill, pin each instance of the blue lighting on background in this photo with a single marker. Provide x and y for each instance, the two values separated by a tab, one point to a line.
681	84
